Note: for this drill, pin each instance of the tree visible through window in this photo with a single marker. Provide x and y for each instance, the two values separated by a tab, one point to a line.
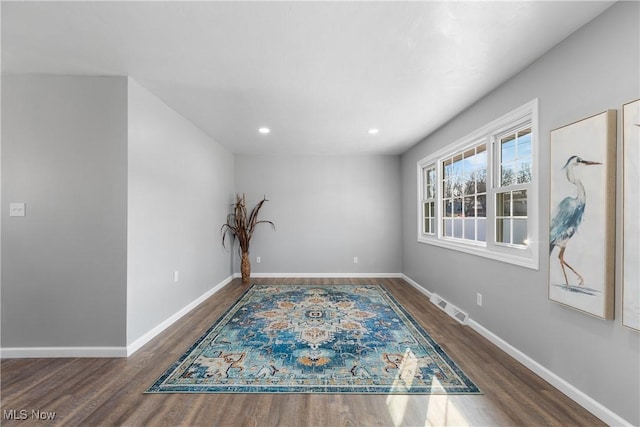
464	198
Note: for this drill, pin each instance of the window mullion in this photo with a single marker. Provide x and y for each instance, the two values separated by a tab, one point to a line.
492	178
438	205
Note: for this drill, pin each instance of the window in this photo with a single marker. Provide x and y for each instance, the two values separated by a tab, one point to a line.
479	195
514	158
464	195
429	200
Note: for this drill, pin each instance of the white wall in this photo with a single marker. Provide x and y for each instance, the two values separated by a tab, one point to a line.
327	210
64	153
595	69
179	191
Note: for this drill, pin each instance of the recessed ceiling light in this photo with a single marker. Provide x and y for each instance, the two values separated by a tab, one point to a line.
373	131
264	131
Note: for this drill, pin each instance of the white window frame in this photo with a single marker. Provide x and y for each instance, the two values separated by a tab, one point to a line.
525	256
424	199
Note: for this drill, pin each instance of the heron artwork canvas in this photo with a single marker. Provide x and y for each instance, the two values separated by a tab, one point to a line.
631	223
582	208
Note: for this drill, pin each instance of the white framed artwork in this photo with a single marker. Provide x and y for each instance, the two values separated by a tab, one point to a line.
631	218
582	209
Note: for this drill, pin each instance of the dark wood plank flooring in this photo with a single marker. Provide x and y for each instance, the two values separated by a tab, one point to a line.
109	392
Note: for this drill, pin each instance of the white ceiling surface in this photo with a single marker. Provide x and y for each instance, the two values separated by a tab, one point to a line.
319	74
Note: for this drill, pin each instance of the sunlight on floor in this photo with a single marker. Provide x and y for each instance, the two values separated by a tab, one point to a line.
440	410
397	403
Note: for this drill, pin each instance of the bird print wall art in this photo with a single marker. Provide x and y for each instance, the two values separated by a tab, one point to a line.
582	214
567	219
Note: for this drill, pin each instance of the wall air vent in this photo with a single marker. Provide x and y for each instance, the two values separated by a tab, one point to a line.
460	316
453	311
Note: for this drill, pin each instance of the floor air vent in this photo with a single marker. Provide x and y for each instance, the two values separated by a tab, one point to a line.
450	309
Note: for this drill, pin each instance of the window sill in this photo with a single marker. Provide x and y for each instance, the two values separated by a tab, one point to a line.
530	262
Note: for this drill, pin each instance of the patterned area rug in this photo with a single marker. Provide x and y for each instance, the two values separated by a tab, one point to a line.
315	339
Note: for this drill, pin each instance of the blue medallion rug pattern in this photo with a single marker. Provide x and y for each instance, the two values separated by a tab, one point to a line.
315	339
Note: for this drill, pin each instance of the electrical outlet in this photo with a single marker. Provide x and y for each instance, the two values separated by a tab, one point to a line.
479	299
176	276
16	209
355	259
258	259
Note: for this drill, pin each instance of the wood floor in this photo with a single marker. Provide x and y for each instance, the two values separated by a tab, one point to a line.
109	392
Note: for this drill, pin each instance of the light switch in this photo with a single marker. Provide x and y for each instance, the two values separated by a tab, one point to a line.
16	209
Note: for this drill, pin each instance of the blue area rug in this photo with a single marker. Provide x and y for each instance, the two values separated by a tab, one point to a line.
315	339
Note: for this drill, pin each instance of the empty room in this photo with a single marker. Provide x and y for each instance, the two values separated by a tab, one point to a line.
275	213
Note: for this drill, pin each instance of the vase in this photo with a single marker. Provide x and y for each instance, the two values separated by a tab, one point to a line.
245	268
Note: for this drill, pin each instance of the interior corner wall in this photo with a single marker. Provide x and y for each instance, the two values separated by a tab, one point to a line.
593	70
64	264
179	191
327	210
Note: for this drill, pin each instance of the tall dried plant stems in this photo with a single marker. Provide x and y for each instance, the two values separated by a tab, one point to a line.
241	225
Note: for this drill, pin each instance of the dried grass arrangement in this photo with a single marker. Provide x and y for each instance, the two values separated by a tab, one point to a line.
241	225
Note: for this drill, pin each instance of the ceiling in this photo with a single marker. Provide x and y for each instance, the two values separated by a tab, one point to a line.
318	74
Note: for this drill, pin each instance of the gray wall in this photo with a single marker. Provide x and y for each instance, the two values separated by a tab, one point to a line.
595	69
327	210
64	153
121	192
180	188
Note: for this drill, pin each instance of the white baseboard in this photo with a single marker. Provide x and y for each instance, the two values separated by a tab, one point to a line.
49	352
581	398
415	284
320	275
138	343
565	387
46	352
